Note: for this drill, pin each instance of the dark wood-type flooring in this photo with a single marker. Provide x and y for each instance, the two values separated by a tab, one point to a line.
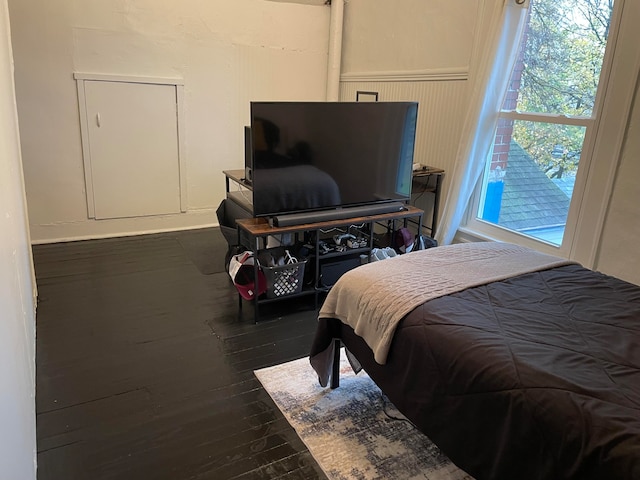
145	365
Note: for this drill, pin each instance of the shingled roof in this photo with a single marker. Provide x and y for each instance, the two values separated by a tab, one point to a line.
531	200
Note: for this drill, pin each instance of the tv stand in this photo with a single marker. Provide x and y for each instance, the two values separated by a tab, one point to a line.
252	232
256	230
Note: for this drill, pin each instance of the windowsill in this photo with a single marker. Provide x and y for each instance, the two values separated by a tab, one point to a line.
467	234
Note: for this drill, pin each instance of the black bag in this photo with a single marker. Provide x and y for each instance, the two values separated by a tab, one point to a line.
402	239
423	241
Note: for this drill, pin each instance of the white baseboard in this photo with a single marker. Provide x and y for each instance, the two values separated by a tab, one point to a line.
121	227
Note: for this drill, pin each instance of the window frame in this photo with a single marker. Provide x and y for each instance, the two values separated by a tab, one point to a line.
602	142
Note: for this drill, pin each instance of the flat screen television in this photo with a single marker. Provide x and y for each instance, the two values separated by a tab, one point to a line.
319	156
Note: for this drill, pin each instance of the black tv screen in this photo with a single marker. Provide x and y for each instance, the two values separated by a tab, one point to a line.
320	155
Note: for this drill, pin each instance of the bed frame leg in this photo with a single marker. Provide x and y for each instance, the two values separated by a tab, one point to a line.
335	371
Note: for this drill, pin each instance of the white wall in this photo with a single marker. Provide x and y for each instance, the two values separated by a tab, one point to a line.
408	35
17	307
619	247
227	52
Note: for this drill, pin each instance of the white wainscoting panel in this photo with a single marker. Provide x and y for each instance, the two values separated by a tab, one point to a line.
441	114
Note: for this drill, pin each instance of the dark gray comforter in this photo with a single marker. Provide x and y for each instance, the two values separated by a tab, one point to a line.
534	377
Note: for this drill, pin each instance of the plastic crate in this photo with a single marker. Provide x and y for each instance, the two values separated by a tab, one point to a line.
282	280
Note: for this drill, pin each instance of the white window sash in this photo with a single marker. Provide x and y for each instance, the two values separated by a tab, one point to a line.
547	118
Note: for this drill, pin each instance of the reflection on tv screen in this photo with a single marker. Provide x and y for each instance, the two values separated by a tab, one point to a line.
319	155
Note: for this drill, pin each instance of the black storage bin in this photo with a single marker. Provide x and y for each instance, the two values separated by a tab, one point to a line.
331	271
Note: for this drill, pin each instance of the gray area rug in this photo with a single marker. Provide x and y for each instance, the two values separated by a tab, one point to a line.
346	429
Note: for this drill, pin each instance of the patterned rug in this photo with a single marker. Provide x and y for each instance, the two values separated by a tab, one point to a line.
349	430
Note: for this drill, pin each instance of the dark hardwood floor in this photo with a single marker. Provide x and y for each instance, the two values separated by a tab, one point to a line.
145	365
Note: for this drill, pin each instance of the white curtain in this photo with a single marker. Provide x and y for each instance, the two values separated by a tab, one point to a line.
479	127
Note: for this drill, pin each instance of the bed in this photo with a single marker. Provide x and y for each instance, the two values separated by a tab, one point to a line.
516	364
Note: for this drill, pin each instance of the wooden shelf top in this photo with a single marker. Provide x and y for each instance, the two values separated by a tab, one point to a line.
426	171
238	177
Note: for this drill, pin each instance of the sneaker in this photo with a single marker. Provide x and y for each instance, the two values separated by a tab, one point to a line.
379	254
390	252
373	256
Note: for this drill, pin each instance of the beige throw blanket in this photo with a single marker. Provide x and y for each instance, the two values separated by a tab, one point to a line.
373	298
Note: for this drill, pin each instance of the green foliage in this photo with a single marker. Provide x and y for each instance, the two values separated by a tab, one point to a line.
563	52
556	148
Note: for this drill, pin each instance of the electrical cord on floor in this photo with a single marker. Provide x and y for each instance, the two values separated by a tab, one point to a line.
385	402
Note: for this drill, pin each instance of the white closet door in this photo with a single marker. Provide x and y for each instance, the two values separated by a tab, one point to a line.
133	148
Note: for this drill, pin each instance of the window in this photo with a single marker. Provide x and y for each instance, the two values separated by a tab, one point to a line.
547	122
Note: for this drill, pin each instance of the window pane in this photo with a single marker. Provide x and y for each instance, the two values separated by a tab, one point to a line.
561	57
530	179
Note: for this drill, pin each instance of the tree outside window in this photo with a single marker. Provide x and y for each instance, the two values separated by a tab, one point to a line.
547	111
